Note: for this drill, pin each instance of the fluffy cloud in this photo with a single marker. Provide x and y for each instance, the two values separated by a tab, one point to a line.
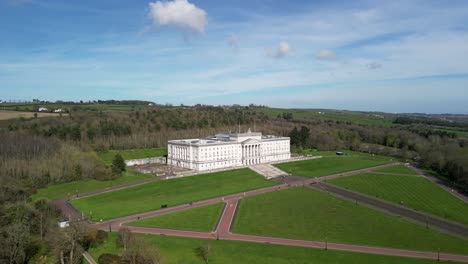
325	55
179	13
282	50
233	42
374	65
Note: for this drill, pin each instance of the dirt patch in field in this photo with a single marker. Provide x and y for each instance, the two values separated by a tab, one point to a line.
5	115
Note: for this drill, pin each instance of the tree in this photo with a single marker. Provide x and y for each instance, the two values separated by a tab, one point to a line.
125	238
118	164
304	136
204	252
66	242
14	240
294	135
136	251
109	259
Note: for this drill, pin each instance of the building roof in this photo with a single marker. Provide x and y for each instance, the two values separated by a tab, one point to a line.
227	138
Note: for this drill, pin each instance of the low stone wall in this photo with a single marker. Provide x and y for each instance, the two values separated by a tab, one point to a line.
158	160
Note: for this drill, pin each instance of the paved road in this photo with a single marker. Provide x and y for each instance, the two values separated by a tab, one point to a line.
224	226
456	229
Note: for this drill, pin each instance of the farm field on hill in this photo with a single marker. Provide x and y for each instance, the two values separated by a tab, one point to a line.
182	250
5	115
400	169
413	191
77	187
108	156
172	192
366	118
303	213
201	219
328	165
84	106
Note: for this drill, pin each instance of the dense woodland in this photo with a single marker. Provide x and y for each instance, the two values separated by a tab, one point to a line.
38	152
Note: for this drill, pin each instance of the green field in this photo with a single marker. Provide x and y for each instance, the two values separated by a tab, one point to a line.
129	154
182	250
151	196
415	192
202	219
77	187
85	106
302	213
328	165
400	169
367	118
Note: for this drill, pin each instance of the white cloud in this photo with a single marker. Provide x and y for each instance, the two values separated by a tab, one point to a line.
325	55
374	65
281	51
233	42
180	13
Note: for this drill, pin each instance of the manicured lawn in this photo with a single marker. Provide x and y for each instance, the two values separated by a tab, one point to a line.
400	169
182	250
151	196
415	192
202	219
70	188
303	213
328	165
129	154
348	153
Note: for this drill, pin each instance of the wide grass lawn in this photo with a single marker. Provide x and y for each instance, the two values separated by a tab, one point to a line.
78	187
129	154
172	192
328	165
202	219
176	250
399	169
413	191
303	213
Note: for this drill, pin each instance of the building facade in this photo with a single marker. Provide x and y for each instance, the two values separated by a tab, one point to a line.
227	150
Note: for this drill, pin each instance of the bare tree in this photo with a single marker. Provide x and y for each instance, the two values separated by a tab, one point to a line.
14	242
204	252
125	238
66	242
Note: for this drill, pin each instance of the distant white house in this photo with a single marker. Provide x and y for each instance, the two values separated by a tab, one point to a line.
59	111
42	109
150	104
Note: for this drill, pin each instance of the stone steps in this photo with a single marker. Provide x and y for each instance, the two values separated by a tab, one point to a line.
268	171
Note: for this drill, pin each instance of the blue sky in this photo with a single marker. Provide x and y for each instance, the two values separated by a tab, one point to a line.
394	56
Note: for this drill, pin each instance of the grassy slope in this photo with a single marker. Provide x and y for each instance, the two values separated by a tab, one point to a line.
70	188
303	213
202	219
413	191
151	196
328	165
335	115
108	156
400	169
182	250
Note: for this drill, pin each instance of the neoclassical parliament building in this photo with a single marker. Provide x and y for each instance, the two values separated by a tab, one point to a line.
227	150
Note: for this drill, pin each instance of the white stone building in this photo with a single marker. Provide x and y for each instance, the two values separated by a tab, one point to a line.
227	150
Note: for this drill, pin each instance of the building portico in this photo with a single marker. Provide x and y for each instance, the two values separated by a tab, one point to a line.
227	150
